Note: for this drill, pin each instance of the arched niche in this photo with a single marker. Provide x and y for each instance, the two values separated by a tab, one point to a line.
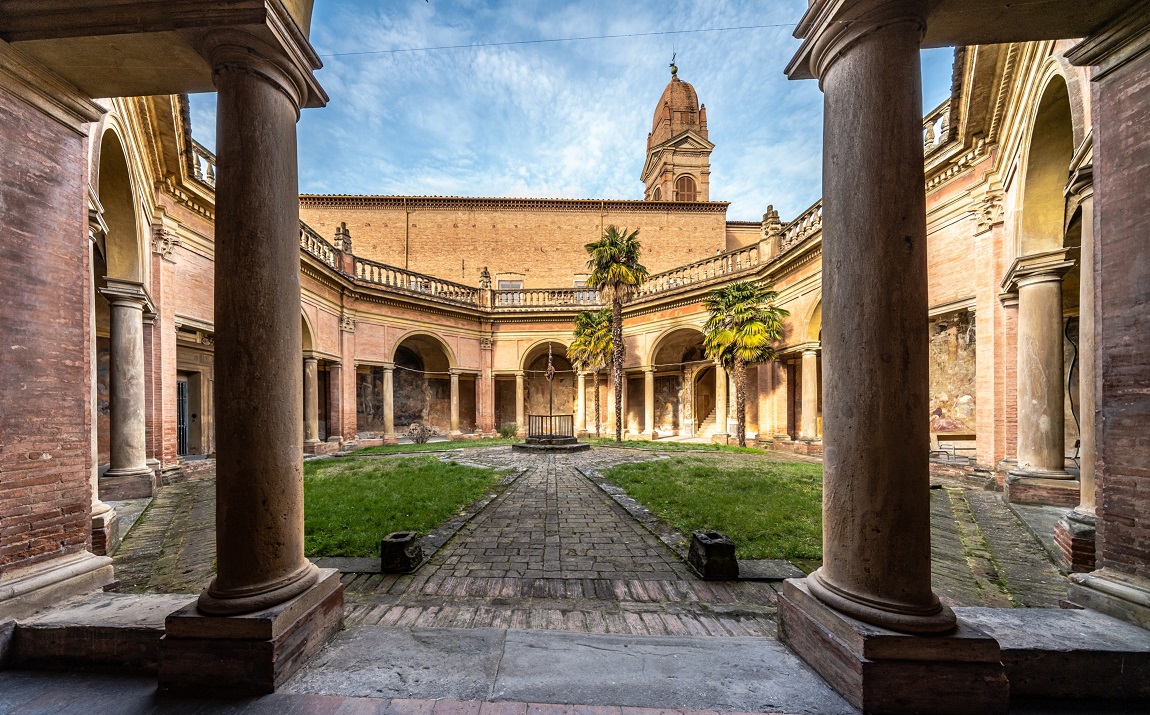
121	245
308	334
1051	149
815	323
544	397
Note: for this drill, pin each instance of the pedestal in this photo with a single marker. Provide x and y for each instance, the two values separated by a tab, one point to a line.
1114	593
1027	488
1075	537
105	532
252	653
882	671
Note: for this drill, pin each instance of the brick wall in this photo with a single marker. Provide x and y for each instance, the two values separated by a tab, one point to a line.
1122	220
45	418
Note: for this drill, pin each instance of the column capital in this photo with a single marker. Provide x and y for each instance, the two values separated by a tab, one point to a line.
455	371
829	29
1037	268
128	294
387	366
310	358
280	53
648	369
520	373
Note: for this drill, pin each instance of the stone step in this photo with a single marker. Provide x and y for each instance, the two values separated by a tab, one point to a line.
107	631
1056	653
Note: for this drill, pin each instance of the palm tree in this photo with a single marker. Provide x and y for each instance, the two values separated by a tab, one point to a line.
743	322
591	348
617	274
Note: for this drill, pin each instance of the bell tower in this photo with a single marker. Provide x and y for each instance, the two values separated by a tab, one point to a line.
678	166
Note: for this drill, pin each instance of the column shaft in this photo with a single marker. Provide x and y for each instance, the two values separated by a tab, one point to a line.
810	426
720	399
876	499
334	404
128	443
455	403
389	403
1088	452
1041	415
259	405
310	399
649	401
626	408
581	403
520	418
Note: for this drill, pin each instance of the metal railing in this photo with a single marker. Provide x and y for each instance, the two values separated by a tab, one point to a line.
550	425
381	274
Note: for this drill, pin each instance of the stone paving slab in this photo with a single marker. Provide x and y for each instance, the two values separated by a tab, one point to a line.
744	674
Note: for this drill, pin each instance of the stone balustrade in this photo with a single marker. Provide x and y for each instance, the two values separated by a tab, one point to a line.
380	274
527	298
936	128
718	266
203	164
315	245
808	222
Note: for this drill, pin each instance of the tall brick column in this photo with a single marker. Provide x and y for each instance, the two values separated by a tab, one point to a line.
455	403
649	402
520	418
720	400
389	435
105	523
129	475
334	404
581	403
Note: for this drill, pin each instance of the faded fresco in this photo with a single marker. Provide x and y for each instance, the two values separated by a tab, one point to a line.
103	401
668	399
539	391
952	383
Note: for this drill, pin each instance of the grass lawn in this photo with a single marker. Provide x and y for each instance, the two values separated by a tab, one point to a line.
659	446
435	446
771	509
350	504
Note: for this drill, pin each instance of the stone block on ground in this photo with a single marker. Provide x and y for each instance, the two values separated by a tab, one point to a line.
768	570
400	552
346	564
712	555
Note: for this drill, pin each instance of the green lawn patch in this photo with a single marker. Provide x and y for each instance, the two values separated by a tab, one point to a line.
771	509
657	446
435	446
350	504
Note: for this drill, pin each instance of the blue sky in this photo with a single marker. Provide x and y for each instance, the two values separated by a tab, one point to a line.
557	119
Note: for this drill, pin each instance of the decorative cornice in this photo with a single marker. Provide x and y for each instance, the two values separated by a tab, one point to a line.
39	87
1113	46
505	204
1037	265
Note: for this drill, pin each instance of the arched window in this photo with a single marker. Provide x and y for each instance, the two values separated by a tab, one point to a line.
685	189
657	195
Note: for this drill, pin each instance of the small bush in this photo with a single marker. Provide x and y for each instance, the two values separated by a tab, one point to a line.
508	430
420	434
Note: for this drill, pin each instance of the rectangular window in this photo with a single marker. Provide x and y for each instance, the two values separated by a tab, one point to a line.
510	285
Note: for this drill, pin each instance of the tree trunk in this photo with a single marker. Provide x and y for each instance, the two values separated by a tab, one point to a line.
598	421
617	362
741	400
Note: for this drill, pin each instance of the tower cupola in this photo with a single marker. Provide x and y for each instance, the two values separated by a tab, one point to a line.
678	164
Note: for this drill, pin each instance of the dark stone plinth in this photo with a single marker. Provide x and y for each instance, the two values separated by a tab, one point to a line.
1114	593
1057	653
550	444
128	486
1021	488
768	570
253	653
400	552
883	671
712	556
1074	535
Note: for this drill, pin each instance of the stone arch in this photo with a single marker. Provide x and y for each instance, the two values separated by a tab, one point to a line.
539	347
686	188
122	246
1049	151
669	339
543	397
815	322
428	339
308	333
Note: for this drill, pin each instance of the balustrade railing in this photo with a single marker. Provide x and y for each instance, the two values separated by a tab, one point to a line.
203	164
807	223
387	276
936	127
546	298
314	244
550	425
722	264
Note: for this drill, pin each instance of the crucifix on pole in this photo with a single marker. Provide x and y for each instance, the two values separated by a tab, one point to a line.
551	392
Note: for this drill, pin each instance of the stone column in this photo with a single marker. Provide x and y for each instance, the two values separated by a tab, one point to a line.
649	402
455	403
581	403
334	404
105	522
310	400
389	435
876	504
624	411
129	475
1041	415
259	410
721	423
810	426
520	418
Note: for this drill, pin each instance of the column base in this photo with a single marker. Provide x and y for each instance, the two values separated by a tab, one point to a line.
252	653
27	590
133	483
105	532
1120	595
1075	537
318	447
883	671
390	439
720	438
1040	487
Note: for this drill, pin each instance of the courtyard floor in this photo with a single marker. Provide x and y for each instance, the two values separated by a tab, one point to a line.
555	589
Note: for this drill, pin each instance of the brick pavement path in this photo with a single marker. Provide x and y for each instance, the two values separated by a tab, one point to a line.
553	551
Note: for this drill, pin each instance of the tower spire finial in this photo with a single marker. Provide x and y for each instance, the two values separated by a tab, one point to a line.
674	69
